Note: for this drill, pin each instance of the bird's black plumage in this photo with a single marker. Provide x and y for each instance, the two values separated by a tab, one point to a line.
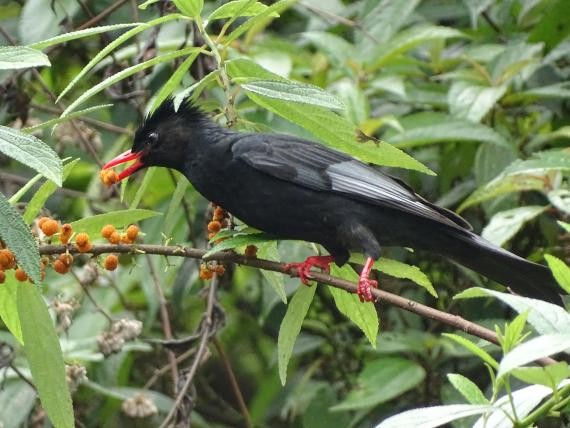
298	189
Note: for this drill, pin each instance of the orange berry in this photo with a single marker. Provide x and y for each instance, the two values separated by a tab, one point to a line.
66	231
214	226
125	239
42	220
7	260
81	239
133	232
60	267
205	273
109	177
21	275
49	227
220	269
66	259
251	251
85	248
2	277
219	213
111	262
115	238
107	231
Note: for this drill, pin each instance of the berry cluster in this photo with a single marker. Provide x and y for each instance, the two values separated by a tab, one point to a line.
208	269
220	219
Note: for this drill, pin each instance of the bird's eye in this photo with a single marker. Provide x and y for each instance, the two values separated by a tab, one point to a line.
152	138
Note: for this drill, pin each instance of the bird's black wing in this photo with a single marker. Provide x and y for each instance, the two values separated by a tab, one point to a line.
320	168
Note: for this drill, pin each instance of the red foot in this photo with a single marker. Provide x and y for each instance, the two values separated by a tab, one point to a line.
365	284
304	268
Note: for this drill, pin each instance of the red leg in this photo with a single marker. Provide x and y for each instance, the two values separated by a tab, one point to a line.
304	268
365	284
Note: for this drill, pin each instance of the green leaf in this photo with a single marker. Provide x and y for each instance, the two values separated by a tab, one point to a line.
62	38
40	19
291	327
364	315
57	120
15	198
44	356
401	270
173	82
564	225
9	305
505	224
32	152
560	270
236	8
39	199
545	317
111	46
382	380
468	389
560	198
408	39
472	102
93	225
539	347
293	91
268	251
174	205
14	57
239	240
195	89
473	348
141	189
549	376
431	417
191	8
271	11
339	133
18	237
129	71
453	130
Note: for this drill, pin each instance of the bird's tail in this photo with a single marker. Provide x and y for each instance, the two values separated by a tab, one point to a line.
521	276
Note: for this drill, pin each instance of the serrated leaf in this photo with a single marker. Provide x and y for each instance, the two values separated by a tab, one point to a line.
406	40
382	380
236	8
401	270
291	327
39	199
93	225
560	270
18	237
173	81
549	376
15	57
191	8
472	102
294	92
451	130
129	71
534	349
474	349
32	152
62	38
545	317
468	389
364	315
431	417
268	251
505	224
44	356
9	306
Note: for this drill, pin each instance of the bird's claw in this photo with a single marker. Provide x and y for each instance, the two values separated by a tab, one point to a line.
364	289
304	268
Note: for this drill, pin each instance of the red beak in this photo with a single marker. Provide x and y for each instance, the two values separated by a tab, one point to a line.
125	157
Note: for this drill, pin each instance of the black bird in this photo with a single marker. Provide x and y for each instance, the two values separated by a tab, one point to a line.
297	189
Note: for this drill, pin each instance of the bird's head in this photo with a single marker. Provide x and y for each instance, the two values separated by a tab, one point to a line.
162	138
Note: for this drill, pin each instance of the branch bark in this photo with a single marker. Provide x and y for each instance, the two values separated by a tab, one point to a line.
409	305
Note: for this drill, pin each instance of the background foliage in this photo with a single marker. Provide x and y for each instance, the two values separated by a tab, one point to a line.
475	91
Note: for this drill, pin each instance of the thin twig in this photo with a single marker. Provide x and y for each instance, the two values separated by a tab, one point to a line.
233	382
164	321
207	324
409	305
164	369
